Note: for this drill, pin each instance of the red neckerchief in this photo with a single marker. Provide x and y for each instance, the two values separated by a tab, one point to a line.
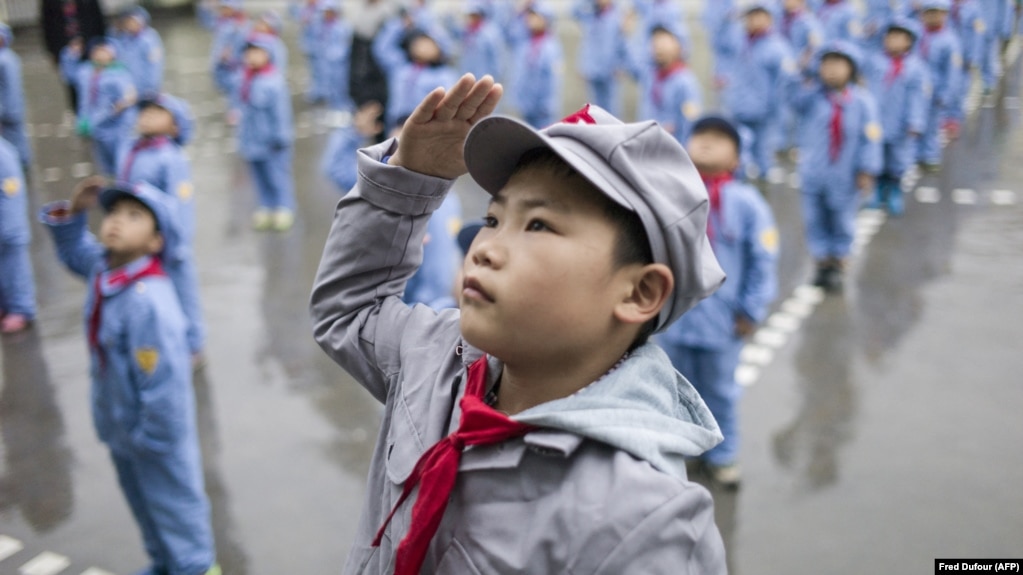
838	101
535	44
111	282
662	75
250	75
714	186
437	469
895	70
474	26
143	143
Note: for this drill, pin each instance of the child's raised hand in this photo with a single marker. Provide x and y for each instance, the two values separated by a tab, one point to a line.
86	194
432	140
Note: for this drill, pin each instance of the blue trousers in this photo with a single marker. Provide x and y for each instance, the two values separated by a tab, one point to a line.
185	277
105	155
271	176
899	156
829	214
764	143
712	373
604	93
929	144
166	495
990	62
17	286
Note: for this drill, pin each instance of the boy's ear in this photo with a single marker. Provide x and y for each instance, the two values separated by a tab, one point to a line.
650	286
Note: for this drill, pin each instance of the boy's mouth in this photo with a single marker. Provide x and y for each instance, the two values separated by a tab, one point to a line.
472	289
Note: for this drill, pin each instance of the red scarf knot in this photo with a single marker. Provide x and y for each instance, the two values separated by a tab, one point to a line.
715	183
838	101
142	144
896	69
250	76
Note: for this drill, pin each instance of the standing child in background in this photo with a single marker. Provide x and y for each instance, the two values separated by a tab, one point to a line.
333	54
265	136
940	49
840	153
269	25
968	23
140	49
704	343
12	99
143	406
307	13
898	79
482	43
999	25
880	13
840	20
669	92
106	100
415	64
803	31
602	51
156	157
760	70
539	69
17	286
339	162
228	37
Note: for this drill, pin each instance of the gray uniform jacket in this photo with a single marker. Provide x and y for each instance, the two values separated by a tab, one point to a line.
601	489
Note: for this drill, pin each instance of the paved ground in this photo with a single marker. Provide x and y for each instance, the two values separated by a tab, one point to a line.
881	428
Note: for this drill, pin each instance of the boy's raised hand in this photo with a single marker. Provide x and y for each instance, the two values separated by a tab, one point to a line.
432	140
86	194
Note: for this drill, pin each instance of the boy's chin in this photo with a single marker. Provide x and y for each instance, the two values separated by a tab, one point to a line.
481	341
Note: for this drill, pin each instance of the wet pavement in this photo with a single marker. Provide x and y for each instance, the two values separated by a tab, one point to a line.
881	428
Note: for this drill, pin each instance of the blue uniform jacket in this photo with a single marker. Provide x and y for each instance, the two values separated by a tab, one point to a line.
142	54
339	159
861	149
759	73
674	100
539	70
745	243
840	21
12	104
603	46
434	281
142	399
804	33
482	50
164	166
14	229
225	58
308	16
266	121
408	83
99	90
333	53
906	97
999	16
969	25
943	54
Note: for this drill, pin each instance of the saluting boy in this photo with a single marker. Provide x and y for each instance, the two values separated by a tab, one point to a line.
704	344
539	67
669	91
940	49
107	96
17	286
266	136
840	153
140	49
143	406
12	99
156	157
595	238
898	79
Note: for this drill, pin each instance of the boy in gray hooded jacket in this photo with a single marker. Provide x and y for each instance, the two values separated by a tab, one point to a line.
534	431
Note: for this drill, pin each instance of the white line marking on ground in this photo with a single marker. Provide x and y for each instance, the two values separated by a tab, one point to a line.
809	294
9	546
795	181
756	354
928	195
96	571
770	337
784	322
747	375
51	175
797	308
964	196
1003	197
776	175
81	169
44	130
46	563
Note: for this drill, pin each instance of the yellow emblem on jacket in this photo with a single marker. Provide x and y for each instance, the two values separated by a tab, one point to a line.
185	191
873	131
147	359
769	239
11	186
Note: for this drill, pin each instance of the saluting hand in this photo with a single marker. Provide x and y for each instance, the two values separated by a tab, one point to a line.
433	138
86	194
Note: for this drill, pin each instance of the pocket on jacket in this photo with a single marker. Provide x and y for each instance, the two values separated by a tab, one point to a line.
456	561
404	445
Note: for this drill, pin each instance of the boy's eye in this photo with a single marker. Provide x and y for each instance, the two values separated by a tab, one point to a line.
537	226
490	222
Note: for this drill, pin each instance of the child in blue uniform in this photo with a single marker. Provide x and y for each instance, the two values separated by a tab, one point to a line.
17	286
840	21
266	137
269	25
156	157
840	153
803	31
760	69
669	92
536	91
704	343
940	49
415	63
143	406
308	13
602	51
107	96
968	23
999	25
332	59
140	49
482	45
229	34
898	79
12	99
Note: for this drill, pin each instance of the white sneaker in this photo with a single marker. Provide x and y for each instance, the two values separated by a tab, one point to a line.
283	219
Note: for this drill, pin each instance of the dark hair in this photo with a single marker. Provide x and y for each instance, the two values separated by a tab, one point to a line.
632	246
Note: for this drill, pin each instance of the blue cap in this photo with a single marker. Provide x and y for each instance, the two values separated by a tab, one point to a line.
160	204
908	25
718	123
178	109
264	42
945	5
844	49
136	12
97	41
272	19
768	7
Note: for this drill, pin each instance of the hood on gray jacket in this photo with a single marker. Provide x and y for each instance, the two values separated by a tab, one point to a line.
644	407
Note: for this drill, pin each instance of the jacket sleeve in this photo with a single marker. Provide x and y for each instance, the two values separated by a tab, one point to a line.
159	378
13	104
678	538
760	254
180	186
870	152
154	61
76	247
285	132
387	47
375	244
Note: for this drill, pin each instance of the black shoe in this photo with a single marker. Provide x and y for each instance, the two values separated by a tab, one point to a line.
821	279
833	282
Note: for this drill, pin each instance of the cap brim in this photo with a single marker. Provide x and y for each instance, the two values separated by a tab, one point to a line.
496	144
109	196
